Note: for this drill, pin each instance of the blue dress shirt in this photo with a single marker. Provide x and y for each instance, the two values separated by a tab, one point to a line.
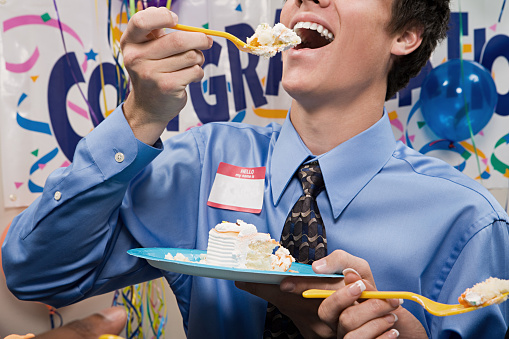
422	225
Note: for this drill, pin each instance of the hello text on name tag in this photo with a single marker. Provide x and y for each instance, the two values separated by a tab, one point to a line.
238	188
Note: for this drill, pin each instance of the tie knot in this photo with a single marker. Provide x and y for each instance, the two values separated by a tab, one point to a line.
311	178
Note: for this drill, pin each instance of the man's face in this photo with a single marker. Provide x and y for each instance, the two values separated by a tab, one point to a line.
354	54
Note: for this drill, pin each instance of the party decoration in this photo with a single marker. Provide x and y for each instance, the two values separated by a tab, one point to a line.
132	299
156	307
498	164
501	11
456	97
146	301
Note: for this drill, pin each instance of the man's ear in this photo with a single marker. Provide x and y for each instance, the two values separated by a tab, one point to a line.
407	42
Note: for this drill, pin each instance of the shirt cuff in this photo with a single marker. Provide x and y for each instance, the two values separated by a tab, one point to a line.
115	149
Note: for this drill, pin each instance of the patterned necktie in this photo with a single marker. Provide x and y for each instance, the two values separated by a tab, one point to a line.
304	236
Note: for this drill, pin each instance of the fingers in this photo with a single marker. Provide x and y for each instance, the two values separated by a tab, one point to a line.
166	46
146	30
340	260
160	67
110	321
390	334
147	24
169	75
368	319
332	307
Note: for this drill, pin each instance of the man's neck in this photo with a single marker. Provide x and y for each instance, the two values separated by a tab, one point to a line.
322	127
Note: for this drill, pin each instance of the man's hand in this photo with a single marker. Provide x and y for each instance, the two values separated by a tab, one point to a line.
342	315
372	318
110	321
287	297
160	67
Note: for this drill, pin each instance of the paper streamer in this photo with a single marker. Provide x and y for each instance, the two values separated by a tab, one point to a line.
38	20
156	307
31	125
25	66
499	165
501	11
133	298
63	28
464	95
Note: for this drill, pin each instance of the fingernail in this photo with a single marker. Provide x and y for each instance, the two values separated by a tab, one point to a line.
391	318
174	16
113	314
395	302
320	265
356	288
350	270
287	286
394	333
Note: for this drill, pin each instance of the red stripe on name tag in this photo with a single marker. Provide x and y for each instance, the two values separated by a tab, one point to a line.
234	208
241	172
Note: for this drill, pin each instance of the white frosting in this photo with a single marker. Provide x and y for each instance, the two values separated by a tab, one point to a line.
473	298
282	260
178	257
241	246
268	41
485	291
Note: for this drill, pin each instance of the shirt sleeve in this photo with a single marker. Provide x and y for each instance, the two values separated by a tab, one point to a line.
57	249
485	254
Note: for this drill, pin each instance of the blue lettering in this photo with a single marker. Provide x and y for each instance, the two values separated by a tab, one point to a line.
95	88
217	86
65	75
405	95
243	31
453	36
60	82
275	69
498	46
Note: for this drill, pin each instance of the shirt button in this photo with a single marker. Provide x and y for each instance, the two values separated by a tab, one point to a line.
119	157
57	195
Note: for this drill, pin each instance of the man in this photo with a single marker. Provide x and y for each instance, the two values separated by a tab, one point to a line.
421	225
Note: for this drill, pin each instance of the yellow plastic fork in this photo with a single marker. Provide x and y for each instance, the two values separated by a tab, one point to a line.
241	45
429	305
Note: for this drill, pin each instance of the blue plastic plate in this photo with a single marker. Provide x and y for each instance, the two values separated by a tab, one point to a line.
155	257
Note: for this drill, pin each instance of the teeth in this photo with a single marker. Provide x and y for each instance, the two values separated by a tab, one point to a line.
315	27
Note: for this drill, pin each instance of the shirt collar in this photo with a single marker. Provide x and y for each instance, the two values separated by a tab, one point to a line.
346	169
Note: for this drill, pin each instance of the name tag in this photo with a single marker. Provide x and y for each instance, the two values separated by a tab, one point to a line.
238	188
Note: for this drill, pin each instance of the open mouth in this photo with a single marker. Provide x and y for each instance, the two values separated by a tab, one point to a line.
313	35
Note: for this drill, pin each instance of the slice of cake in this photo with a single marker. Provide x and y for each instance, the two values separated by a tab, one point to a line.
484	292
267	41
239	245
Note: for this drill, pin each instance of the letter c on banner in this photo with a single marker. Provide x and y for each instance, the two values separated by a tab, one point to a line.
60	82
65	75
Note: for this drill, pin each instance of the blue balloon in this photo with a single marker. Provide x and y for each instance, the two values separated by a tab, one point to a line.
447	96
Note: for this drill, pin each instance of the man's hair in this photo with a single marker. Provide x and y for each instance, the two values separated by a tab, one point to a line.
432	17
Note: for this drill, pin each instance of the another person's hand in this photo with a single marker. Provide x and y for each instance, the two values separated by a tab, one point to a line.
160	67
109	321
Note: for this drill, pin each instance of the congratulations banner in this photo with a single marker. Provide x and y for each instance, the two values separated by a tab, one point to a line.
61	74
